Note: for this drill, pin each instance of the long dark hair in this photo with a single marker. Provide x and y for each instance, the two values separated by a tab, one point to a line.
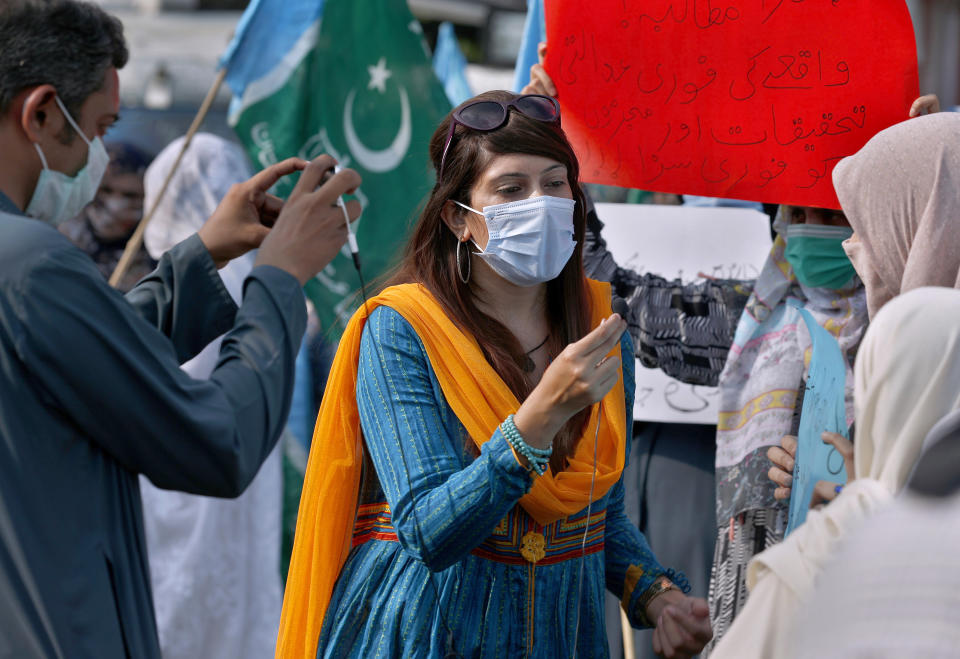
431	259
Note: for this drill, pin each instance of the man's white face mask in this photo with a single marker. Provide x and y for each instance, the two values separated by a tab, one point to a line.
59	197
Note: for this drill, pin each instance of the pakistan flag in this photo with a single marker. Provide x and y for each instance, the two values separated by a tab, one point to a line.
351	78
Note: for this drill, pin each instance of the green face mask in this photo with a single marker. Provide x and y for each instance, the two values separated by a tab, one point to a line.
817	256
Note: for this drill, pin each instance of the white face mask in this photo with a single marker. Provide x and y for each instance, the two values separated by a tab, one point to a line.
530	240
59	197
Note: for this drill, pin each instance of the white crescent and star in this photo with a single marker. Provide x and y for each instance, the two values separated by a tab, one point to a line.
383	160
379	75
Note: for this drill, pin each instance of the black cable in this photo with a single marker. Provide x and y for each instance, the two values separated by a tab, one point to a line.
363	285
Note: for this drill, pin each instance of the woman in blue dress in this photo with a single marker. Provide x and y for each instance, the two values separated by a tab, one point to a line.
463	496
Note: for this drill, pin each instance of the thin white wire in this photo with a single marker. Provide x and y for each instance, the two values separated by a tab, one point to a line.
586	529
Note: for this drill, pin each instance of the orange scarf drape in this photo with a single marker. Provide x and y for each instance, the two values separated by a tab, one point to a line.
479	398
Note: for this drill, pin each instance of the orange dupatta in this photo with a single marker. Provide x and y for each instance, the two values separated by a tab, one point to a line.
479	398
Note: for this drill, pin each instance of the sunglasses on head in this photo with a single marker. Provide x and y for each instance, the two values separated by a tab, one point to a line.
489	115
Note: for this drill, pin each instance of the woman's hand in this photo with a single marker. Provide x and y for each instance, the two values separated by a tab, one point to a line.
781	472
783	458
682	624
540	82
824	492
827	491
580	376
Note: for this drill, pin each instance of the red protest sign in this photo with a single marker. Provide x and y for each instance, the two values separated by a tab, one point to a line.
745	99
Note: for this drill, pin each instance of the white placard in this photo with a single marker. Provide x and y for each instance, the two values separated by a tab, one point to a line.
682	242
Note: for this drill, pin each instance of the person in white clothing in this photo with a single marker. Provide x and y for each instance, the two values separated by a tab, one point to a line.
214	563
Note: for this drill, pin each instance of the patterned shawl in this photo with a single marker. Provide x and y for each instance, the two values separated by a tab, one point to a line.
762	377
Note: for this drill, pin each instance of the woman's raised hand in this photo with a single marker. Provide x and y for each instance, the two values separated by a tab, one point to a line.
540	82
580	376
927	104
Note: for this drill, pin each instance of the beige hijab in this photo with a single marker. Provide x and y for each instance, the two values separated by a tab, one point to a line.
901	194
907	378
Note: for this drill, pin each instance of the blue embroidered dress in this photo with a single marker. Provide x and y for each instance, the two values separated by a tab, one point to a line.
436	519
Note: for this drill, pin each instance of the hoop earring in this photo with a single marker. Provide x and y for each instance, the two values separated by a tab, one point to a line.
464	279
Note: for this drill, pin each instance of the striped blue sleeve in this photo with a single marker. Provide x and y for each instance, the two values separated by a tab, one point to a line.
443	502
631	567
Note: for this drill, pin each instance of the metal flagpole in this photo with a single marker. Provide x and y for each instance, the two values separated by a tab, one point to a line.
136	240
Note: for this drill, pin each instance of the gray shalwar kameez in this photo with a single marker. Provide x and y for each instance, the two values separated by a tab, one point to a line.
91	395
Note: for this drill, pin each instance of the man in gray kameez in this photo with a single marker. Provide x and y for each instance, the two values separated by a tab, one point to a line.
91	393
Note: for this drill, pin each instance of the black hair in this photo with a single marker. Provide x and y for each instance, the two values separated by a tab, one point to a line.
64	43
125	158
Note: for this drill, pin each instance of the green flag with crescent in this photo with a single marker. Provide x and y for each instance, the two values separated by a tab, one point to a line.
359	85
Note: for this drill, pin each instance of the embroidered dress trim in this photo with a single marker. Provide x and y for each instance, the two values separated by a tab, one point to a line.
517	539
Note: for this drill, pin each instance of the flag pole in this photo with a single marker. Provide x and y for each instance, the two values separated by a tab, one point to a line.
136	240
629	652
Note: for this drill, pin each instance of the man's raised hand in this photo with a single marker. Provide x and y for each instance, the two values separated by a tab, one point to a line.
244	216
310	229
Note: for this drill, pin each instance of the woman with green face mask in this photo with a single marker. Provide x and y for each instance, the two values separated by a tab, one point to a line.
807	275
815	250
900	195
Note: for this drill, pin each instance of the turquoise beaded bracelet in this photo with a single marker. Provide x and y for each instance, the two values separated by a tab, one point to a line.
538	458
511	428
537	464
